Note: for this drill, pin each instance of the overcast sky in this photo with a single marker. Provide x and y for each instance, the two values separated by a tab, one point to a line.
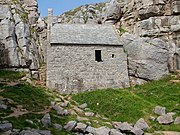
60	6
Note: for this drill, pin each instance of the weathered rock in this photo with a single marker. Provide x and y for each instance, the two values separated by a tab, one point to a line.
90	129
177	120
141	124
147	58
80	127
18	35
137	131
42	132
3	107
115	132
5	127
28	132
57	126
112	12
35	132
160	110
165	119
89	114
124	127
70	125
116	124
152	118
102	131
46	120
83	106
65	104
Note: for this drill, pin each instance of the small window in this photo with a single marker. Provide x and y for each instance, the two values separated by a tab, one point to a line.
98	56
112	55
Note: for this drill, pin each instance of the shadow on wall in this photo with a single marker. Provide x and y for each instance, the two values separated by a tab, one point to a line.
4	58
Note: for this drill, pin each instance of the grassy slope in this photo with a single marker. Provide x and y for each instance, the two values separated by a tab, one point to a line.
34	99
116	104
133	103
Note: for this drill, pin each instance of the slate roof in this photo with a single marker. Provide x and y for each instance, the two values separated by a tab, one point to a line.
84	34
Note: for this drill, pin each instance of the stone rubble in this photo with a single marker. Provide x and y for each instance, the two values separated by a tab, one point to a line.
165	119
141	124
177	120
160	110
46	120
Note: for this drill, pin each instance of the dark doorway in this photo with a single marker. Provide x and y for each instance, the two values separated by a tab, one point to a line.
98	57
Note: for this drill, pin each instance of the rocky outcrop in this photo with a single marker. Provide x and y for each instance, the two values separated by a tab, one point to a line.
109	12
85	14
19	44
147	58
155	19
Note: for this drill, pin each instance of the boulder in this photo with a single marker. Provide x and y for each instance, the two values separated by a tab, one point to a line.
70	125
3	107
57	126
5	127
141	124
177	120
28	132
35	132
83	106
91	130
102	131
115	132
137	131
160	110
124	127
112	12
165	119
89	114
80	127
46	120
147	58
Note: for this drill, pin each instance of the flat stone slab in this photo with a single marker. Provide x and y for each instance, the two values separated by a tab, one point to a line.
170	133
165	119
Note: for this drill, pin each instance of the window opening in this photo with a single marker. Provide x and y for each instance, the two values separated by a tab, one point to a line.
98	56
112	55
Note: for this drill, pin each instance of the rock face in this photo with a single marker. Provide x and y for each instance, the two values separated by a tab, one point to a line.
147	58
18	38
109	12
155	19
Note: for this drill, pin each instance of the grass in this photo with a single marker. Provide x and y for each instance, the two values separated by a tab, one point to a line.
33	99
30	97
116	104
137	102
10	75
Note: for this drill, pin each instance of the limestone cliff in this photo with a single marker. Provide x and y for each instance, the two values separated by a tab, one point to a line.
19	46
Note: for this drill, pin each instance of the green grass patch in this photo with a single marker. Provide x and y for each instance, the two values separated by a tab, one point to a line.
21	122
11	75
133	103
30	97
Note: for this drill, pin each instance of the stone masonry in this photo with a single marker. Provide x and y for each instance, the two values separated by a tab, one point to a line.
78	62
